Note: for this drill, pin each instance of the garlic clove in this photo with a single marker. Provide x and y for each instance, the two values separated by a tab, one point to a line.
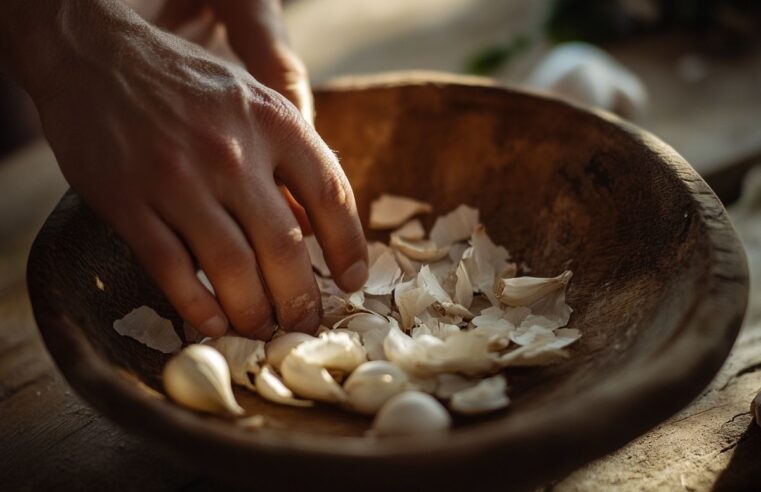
384	275
372	384
147	327
390	211
419	250
449	384
278	348
272	388
523	291
309	380
198	378
243	356
411	412
455	226
486	396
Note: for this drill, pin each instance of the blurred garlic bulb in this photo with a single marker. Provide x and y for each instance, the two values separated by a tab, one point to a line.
243	356
372	384
278	348
588	75
411	412
198	378
270	387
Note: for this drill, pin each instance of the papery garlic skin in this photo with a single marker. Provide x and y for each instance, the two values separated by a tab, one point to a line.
372	384
198	378
523	291
486	396
243	356
409	413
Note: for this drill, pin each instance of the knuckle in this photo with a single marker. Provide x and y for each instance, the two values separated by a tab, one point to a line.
284	246
334	190
226	154
274	111
230	261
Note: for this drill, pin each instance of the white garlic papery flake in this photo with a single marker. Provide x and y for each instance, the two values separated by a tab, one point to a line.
390	211
372	384
411	412
198	378
271	387
522	291
278	348
338	351
419	250
412	230
486	396
455	226
243	356
384	275
147	327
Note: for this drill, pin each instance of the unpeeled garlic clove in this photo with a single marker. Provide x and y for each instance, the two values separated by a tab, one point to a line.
278	348
198	378
271	388
243	356
372	384
486	396
522	291
309	380
411	412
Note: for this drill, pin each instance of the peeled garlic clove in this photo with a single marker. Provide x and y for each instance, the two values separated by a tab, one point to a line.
198	378
420	250
309	380
411	412
487	396
391	211
372	384
243	356
278	348
522	291
271	388
455	226
147	327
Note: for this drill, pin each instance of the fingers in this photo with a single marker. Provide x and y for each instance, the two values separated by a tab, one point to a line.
226	257
256	32
311	171
298	211
168	262
271	227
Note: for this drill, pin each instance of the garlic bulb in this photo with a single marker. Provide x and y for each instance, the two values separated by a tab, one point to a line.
523	291
411	412
486	396
586	74
372	384
271	388
198	378
278	348
243	356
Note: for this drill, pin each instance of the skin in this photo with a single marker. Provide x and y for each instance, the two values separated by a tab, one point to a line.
192	158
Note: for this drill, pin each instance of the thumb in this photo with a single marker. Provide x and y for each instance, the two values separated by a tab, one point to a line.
258	35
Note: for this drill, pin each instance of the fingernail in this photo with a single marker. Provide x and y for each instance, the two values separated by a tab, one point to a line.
355	276
309	323
214	326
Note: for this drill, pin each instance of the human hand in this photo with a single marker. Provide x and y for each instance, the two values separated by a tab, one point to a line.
180	152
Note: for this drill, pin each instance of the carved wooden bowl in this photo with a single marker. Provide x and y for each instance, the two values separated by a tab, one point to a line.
659	292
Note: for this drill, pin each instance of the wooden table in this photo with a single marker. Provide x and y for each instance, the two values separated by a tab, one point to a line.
51	440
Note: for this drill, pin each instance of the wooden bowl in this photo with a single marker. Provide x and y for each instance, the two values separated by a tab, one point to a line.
659	292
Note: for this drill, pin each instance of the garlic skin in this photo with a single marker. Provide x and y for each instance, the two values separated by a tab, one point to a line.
147	327
243	356
270	387
523	291
372	384
198	378
409	413
486	396
277	349
391	211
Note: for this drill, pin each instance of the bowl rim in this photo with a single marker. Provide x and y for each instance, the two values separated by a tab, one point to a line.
705	337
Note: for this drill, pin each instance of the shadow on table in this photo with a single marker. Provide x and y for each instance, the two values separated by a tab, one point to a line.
743	471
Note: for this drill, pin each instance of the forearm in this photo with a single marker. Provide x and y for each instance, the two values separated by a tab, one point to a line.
42	42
